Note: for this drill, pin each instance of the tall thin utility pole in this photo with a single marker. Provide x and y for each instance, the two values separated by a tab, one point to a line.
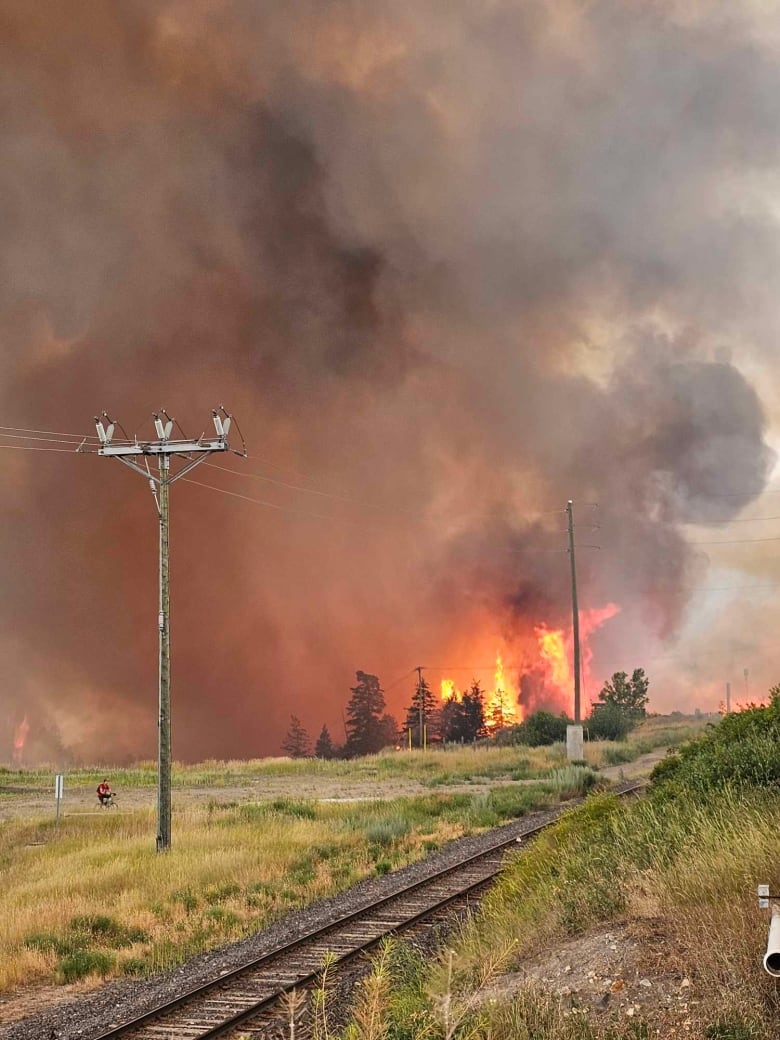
163	621
190	453
728	698
575	614
421	703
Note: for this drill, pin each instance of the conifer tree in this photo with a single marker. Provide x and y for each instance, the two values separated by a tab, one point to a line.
296	744
324	748
430	713
463	720
367	729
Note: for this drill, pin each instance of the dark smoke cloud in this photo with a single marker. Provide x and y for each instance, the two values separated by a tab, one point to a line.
453	264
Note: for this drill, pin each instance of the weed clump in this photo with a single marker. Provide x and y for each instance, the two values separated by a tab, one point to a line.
82	963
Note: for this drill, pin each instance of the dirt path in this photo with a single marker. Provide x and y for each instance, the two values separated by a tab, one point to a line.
17	803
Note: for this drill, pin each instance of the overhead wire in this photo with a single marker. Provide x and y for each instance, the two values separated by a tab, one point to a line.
274	505
28	447
737	541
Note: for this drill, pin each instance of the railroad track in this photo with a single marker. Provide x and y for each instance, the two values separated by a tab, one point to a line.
252	997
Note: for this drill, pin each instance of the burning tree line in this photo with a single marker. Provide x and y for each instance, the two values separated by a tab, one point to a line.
462	717
369	728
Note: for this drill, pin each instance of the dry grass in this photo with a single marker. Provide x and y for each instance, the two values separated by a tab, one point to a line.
232	870
691	868
436	766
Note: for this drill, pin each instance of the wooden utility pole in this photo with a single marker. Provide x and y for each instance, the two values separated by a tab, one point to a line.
164	727
575	614
135	454
421	705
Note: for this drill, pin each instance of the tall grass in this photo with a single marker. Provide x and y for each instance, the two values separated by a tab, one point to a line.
98	887
690	869
453	764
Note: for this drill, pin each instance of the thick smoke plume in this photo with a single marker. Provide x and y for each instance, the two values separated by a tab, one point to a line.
450	265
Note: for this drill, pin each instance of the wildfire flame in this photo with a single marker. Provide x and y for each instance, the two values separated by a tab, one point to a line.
552	650
499	708
20	736
556	653
549	669
501	705
448	691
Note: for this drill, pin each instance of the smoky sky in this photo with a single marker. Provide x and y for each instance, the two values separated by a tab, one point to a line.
450	265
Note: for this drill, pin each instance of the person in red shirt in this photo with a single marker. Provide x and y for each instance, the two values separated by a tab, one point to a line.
104	792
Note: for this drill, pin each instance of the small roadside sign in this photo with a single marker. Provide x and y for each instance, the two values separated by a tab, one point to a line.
59	790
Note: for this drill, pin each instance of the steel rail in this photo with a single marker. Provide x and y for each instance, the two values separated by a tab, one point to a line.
356	945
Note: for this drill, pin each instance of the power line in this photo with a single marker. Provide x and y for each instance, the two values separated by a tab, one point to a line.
274	505
737	541
51	433
27	437
738	520
25	447
295	487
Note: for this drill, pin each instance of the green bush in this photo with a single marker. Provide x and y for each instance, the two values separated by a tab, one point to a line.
741	751
134	966
610	722
542	728
732	1030
82	963
386	832
186	898
105	931
299	809
219	893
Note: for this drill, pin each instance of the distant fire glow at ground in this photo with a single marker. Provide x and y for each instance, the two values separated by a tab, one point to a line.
20	736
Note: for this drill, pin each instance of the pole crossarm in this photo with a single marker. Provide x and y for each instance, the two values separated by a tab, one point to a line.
164	447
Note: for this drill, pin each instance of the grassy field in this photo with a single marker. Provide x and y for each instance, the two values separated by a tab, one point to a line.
97	899
93	898
673	875
436	766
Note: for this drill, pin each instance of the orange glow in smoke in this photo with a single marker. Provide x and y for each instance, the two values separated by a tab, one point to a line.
19	738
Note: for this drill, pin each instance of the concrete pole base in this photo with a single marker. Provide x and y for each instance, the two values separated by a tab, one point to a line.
574	743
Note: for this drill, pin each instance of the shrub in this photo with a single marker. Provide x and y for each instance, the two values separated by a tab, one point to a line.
82	963
186	898
570	781
106	931
300	810
386	832
610	722
542	728
134	966
741	751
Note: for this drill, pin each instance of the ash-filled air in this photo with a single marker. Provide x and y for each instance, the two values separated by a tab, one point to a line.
450	265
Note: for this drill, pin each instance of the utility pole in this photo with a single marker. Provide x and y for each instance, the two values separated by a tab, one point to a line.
190	452
421	704
728	698
575	614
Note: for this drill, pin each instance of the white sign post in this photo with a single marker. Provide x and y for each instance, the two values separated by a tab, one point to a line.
59	790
